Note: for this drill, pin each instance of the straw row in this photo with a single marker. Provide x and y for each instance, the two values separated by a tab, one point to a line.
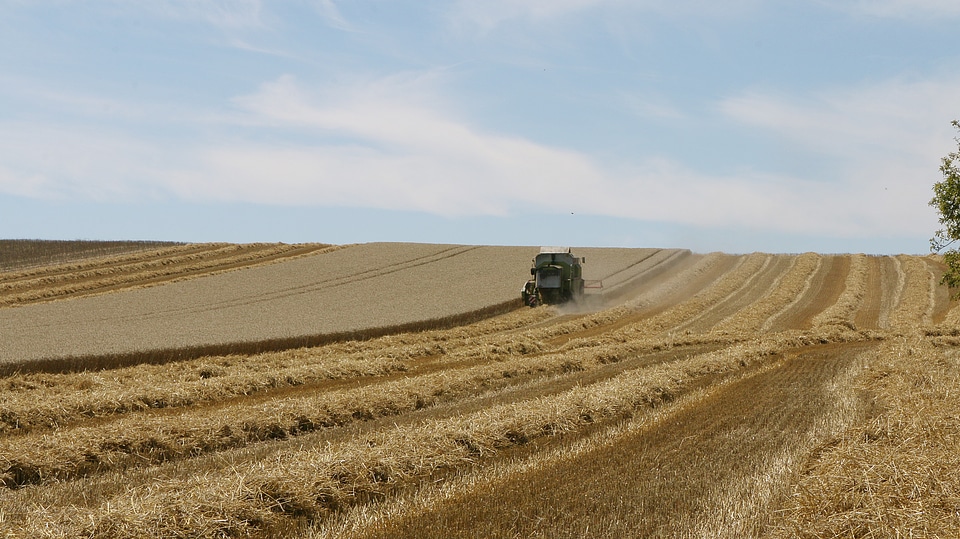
314	481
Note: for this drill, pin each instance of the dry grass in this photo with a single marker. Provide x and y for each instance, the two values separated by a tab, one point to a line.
897	474
313	482
842	312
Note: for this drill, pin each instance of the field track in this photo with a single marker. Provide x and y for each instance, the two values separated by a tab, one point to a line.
688	397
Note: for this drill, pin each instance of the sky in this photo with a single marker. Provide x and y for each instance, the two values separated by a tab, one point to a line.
738	126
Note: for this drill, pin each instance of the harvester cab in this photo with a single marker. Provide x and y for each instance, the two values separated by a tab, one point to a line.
557	277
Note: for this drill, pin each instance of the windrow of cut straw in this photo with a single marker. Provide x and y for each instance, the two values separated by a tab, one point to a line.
312	482
20	255
42	400
843	311
786	289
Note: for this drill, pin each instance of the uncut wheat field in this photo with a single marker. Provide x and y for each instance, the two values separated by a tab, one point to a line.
388	390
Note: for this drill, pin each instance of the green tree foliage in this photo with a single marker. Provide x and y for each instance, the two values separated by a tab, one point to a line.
947	202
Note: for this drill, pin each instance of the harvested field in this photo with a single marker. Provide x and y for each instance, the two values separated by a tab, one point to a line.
693	395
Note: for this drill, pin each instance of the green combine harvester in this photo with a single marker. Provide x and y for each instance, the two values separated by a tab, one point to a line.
557	278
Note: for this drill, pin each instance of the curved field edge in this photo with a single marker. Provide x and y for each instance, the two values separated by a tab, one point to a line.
169	355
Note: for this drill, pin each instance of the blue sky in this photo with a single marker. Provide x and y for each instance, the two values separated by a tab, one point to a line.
739	126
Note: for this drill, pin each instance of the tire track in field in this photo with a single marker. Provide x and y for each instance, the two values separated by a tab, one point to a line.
319	284
275	294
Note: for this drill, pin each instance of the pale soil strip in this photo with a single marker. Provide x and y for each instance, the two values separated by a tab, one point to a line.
843	312
783	293
310	481
788	297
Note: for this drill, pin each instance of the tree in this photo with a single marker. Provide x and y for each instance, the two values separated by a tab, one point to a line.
946	200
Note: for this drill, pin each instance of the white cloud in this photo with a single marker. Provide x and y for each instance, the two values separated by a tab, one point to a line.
886	139
391	150
907	9
395	143
328	10
223	13
382	146
486	16
61	161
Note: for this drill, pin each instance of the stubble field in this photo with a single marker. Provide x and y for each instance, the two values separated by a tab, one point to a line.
398	390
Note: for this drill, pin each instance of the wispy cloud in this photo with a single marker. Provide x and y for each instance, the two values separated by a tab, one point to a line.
904	9
331	13
486	16
382	148
397	143
223	13
886	140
